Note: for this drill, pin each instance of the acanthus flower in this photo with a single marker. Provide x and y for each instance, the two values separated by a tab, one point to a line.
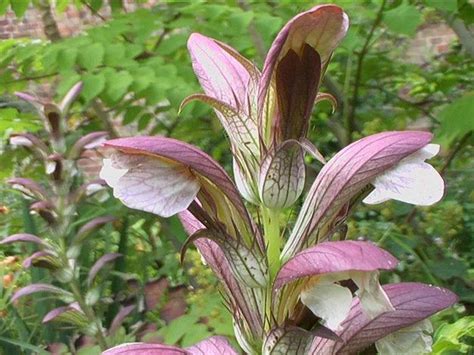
315	294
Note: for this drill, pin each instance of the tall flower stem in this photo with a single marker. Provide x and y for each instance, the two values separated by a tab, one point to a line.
271	226
76	291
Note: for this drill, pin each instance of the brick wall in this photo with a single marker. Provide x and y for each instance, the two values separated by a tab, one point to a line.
430	40
70	22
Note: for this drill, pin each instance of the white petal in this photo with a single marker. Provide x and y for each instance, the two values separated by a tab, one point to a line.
330	302
411	181
50	167
150	184
373	299
111	174
93	188
412	340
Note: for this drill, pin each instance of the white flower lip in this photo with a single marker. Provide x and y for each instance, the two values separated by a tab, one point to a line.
150	184
332	302
412	181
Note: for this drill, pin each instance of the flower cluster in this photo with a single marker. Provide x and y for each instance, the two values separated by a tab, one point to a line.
311	291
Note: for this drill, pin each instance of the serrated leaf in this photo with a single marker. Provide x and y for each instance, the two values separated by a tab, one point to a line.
142	78
93	85
95	4
404	19
91	56
117	84
443	5
66	59
457	117
114	54
131	114
144	121
67	82
19	7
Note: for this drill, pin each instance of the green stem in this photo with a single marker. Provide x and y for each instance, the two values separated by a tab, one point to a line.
75	288
271	226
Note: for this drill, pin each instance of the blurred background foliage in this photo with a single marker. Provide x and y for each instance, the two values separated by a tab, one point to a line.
136	70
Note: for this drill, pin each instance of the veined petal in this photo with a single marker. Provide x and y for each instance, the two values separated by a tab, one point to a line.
215	258
412	340
144	349
245	182
411	180
413	302
335	257
241	129
320	29
221	75
282	176
247	264
216	345
150	184
185	154
330	302
344	177
287	340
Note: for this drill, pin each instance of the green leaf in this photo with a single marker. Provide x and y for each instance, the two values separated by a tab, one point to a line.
449	268
454	338
25	346
144	121
142	78
68	79
95	4
89	350
4	6
240	20
67	59
19	7
114	54
117	84
91	56
457	117
443	5
178	328
199	332
404	19
154	93
131	114
94	84
12	121
61	5
173	43
267	25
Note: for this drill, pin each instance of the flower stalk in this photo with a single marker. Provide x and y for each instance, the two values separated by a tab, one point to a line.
308	291
58	205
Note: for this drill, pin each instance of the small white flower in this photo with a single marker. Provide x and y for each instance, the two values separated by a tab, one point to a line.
411	180
150	184
50	167
332	302
328	301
